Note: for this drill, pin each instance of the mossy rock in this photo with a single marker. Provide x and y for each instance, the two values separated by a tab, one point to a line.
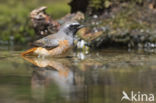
131	27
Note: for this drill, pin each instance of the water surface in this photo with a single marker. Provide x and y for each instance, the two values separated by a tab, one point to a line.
99	77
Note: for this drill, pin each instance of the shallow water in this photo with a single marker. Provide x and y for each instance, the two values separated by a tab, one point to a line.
99	77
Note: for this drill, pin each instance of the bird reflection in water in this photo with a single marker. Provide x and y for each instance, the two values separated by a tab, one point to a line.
48	72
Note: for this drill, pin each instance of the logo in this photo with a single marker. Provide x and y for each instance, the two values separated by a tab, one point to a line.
137	97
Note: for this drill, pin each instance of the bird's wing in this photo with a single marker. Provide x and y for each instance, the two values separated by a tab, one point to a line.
49	41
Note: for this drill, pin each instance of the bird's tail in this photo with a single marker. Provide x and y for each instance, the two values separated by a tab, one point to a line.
28	51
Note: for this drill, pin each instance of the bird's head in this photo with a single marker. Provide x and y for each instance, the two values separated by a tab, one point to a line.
70	28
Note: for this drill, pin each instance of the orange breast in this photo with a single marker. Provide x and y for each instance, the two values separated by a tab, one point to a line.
61	49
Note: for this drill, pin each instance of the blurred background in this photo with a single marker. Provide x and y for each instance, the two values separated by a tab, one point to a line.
121	22
15	25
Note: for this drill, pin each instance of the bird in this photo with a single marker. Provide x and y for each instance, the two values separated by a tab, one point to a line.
58	43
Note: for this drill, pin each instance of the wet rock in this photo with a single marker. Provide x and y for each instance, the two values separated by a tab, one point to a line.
131	27
88	38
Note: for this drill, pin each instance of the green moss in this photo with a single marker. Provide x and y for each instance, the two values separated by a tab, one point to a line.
103	4
126	19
